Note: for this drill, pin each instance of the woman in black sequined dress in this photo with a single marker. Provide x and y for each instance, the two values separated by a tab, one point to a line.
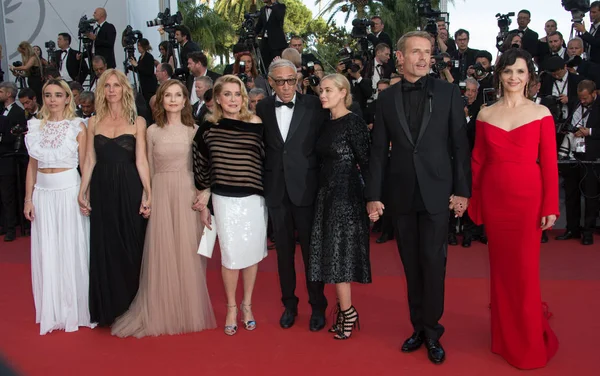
340	236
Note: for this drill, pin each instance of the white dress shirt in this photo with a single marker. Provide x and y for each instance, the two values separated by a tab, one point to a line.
7	109
284	117
64	73
562	87
193	96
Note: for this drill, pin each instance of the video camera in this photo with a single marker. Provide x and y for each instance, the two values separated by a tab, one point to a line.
578	9
167	21
347	60
309	73
247	35
359	27
19	132
480	70
130	39
425	10
85	27
504	22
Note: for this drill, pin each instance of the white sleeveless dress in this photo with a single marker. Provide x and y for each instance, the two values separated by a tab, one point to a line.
60	240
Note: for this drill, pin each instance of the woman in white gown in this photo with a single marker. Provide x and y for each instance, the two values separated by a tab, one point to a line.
59	231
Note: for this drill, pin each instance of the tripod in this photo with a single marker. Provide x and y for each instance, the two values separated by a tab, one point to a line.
127	67
86	54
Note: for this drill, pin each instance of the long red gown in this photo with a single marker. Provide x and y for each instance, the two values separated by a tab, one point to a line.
515	183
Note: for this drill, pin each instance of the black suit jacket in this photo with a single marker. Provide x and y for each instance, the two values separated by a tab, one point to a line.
292	165
572	82
592	142
530	41
594	42
189	83
145	70
439	161
74	65
105	44
199	116
274	26
16	116
184	51
466	60
384	38
369	70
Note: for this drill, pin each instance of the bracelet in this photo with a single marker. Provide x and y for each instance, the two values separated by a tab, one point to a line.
26	201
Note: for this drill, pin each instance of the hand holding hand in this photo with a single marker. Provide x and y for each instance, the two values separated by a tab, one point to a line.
200	201
459	205
548	221
145	205
375	210
205	218
84	204
29	211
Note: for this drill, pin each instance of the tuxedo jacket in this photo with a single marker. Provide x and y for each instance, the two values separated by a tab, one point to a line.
530	41
594	42
369	70
16	116
189	83
572	82
274	26
74	65
105	44
199	118
292	165
592	143
438	163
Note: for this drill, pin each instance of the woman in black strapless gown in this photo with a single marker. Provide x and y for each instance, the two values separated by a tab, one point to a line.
116	172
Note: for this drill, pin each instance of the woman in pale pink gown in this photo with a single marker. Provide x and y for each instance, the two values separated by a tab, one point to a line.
173	297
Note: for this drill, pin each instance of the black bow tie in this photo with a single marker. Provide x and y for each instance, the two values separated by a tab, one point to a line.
288	104
409	86
63	52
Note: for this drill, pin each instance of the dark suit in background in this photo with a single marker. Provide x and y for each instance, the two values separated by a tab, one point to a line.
430	161
148	82
189	46
273	40
105	44
530	41
592	45
78	69
591	183
189	83
291	180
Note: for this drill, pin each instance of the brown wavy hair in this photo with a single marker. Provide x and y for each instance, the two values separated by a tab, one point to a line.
217	115
159	112
128	100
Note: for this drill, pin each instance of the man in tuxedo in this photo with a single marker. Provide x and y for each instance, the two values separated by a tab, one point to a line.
464	54
183	36
103	38
71	65
424	120
10	116
270	27
561	84
529	39
201	85
292	123
591	37
378	68
197	64
29	103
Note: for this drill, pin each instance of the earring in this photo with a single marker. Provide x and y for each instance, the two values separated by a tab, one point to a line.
527	89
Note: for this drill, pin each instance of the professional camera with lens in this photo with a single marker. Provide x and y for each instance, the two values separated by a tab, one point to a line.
85	26
168	22
480	70
425	10
130	39
578	9
440	64
50	45
17	63
552	102
19	132
309	73
504	22
346	59
359	27
247	35
242	72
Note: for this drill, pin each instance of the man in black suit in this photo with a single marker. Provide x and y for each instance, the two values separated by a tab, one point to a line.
197	64
183	36
424	120
377	36
104	37
292	123
465	56
379	67
591	37
529	40
560	83
270	27
71	65
10	116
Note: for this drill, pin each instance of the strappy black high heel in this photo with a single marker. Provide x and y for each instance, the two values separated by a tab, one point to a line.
337	322
350	321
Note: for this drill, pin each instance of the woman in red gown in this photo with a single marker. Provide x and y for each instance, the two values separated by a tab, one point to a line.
515	194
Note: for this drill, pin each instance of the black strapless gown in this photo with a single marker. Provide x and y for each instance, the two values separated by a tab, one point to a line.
117	230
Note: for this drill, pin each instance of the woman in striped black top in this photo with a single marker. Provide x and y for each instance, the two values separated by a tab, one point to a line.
228	157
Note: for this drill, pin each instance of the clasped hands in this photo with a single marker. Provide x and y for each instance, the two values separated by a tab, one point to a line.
459	205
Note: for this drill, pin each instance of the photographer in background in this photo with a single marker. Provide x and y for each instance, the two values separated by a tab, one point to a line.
577	64
144	67
529	37
29	103
11	116
270	27
246	69
580	143
103	37
591	37
464	55
482	72
201	85
378	36
254	96
70	64
183	36
379	68
297	43
238	50
443	41
440	67
362	88
555	47
559	88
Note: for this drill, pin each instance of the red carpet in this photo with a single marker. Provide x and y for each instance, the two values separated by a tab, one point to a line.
571	286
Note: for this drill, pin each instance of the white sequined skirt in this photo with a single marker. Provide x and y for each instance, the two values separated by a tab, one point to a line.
241	224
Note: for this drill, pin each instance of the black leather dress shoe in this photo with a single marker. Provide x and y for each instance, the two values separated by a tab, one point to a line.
288	318
466	243
317	322
413	343
544	237
483	239
452	239
435	351
587	239
10	236
384	238
569	235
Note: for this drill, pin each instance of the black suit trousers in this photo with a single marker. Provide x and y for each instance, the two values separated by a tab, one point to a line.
268	54
572	176
286	218
592	199
8	192
423	245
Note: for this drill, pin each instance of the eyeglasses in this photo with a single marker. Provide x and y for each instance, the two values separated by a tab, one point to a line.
289	81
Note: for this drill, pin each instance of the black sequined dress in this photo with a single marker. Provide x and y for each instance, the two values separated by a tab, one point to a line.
339	249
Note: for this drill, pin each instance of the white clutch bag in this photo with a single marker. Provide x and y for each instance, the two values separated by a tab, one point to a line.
207	242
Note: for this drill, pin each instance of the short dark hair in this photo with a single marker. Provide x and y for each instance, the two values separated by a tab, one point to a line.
595	4
51	72
461	31
381	46
185	31
588	85
99	58
74	85
198	57
485	54
66	36
26	92
509	58
525	11
208	95
556	33
167	68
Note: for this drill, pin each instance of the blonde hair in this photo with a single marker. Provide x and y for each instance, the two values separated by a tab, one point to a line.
128	100
27	51
160	114
400	46
217	115
341	83
69	111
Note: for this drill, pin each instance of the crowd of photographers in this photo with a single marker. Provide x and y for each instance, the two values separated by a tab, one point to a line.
568	71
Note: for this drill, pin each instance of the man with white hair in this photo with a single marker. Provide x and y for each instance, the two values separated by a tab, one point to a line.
291	124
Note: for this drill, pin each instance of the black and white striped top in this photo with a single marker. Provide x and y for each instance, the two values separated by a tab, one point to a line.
228	158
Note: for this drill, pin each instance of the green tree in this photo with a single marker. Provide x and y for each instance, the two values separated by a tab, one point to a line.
206	26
